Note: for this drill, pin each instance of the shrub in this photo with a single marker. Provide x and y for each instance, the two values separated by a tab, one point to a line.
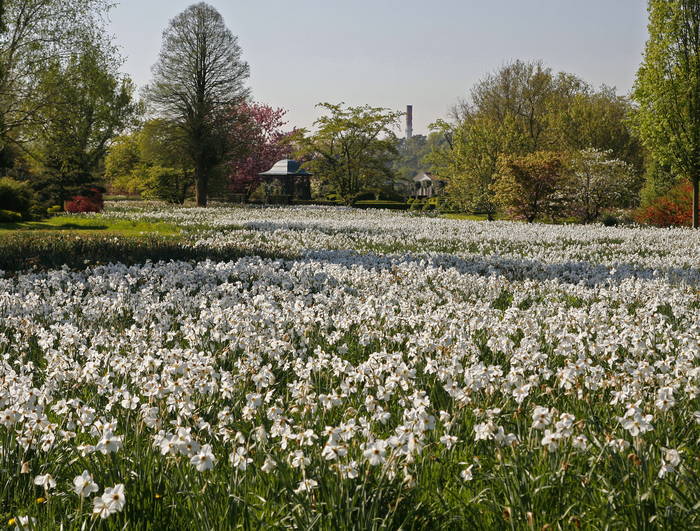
8	216
55	209
673	208
610	221
279	199
17	196
334	197
89	201
367	195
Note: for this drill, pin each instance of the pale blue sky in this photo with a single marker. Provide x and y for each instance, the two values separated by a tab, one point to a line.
391	53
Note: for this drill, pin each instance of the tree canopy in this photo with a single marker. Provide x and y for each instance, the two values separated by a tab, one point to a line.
523	108
88	104
200	75
38	33
668	89
352	148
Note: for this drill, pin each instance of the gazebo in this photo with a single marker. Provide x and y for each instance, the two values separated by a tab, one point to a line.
427	185
295	182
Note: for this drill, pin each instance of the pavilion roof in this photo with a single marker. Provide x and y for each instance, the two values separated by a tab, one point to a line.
286	167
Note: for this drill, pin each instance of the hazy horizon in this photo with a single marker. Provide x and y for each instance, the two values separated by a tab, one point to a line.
392	53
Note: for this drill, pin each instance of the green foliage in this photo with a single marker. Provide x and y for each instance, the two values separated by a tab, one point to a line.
89	103
668	88
152	161
121	163
38	33
520	109
417	204
530	186
8	216
352	148
166	184
658	180
17	197
55	209
610	221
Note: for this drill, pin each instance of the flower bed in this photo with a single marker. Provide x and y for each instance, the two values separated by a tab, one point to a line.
391	370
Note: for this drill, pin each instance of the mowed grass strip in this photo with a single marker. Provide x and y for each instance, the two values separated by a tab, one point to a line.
93	224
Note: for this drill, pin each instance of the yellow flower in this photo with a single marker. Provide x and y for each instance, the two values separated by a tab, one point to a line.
11	521
158	496
41	499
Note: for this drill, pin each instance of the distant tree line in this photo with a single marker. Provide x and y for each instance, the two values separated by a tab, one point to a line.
526	142
70	120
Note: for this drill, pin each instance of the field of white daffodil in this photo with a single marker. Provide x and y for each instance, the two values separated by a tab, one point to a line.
384	371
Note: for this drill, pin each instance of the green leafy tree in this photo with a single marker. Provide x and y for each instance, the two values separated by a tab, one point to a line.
169	171
198	78
89	103
151	161
38	33
531	186
668	90
165	184
121	163
523	108
352	149
468	159
17	197
658	180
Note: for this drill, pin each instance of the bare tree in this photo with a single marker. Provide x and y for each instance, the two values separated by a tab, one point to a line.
198	77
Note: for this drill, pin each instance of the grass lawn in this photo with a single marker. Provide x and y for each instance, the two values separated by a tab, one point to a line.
95	225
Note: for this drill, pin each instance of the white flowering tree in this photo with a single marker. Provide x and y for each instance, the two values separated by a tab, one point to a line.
599	181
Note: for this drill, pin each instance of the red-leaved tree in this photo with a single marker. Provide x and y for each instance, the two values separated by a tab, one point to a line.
259	132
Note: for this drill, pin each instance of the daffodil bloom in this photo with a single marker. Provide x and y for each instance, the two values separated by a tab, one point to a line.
84	486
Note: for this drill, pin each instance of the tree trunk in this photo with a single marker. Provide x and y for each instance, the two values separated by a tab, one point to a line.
201	184
696	183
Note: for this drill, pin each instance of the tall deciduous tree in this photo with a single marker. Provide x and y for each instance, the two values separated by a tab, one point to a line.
88	104
520	109
352	148
199	76
38	33
668	89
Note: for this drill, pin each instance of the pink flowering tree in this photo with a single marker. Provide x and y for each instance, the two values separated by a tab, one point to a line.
259	132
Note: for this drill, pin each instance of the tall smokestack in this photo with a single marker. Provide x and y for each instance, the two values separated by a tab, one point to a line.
409	122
